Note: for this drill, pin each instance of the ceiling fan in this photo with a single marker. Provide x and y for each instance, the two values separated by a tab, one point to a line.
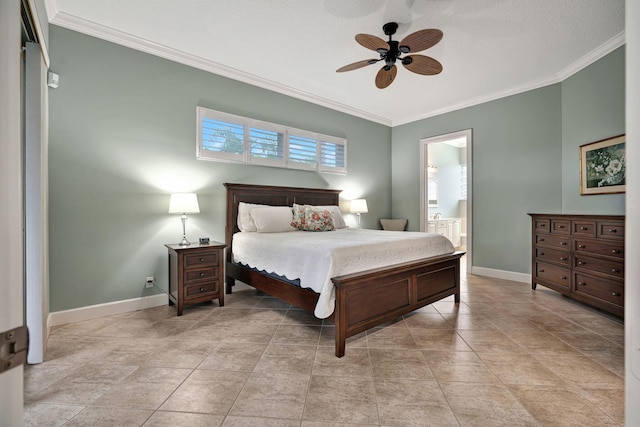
392	51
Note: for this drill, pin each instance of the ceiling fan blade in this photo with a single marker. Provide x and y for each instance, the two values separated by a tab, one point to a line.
421	64
371	42
356	65
384	78
421	40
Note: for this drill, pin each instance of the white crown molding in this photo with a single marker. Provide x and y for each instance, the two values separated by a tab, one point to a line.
588	59
80	25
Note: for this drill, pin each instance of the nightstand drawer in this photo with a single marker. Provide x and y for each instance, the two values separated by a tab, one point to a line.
201	289
612	249
198	275
553	255
197	260
603	289
599	265
555	274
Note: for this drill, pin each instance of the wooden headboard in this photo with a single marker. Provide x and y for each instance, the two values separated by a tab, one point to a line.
273	196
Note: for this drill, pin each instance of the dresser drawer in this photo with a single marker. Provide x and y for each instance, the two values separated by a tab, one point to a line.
542	225
198	260
611	230
583	228
561	276
552	241
202	289
198	275
613	268
553	255
607	290
599	248
561	226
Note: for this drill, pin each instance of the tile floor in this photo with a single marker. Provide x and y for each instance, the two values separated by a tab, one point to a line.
506	356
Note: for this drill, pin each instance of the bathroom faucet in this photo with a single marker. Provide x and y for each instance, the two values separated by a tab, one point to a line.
437	215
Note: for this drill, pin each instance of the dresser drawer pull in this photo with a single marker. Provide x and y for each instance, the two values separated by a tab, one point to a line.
613	230
563	258
201	259
202	274
541	253
560	226
541	240
201	289
583	228
581	246
615	251
615	294
563	243
541	270
563	277
581	263
615	270
582	284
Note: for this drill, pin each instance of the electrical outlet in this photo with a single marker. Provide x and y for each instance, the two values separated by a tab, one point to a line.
150	282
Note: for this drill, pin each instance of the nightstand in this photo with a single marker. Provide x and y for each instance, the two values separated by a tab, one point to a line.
196	273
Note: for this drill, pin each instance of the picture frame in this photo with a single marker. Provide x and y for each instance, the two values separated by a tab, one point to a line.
603	166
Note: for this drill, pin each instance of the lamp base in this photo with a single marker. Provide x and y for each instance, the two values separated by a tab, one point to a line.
184	242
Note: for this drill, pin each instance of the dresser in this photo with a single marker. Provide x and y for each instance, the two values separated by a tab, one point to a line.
195	273
581	256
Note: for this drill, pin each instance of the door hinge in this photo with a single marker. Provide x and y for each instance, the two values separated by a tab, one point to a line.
14	345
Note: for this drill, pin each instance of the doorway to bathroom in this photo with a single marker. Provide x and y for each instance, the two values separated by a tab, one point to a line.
446	189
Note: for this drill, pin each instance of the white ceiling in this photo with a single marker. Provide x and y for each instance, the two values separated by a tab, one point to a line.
490	49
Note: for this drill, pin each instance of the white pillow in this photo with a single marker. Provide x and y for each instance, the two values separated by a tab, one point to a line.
338	220
274	219
245	222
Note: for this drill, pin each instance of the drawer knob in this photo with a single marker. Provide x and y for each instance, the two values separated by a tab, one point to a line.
563	277
582	284
563	243
561	226
615	251
563	258
201	259
581	246
201	289
201	274
541	253
615	270
541	240
615	294
613	230
541	270
581	263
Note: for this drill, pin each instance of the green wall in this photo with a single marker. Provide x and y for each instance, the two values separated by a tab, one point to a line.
525	158
122	138
593	108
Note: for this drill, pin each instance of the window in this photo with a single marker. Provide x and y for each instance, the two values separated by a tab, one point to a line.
229	138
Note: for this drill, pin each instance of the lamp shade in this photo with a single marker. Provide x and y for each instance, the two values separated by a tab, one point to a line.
359	206
183	203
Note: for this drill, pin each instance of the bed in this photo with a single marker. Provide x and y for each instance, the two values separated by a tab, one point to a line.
363	299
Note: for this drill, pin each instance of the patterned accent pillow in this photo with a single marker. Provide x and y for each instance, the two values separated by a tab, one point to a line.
299	219
317	219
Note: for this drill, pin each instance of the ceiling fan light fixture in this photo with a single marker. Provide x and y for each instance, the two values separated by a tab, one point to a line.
392	50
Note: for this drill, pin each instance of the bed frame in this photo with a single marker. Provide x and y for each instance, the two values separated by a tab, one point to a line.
363	300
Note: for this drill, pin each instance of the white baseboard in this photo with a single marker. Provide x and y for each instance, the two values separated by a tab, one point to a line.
108	309
502	274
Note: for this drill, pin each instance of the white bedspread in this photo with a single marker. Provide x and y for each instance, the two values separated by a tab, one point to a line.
316	257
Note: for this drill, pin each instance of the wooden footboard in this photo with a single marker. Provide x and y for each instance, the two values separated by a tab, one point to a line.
368	299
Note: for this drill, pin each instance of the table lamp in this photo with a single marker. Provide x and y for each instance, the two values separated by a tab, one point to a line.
184	203
359	206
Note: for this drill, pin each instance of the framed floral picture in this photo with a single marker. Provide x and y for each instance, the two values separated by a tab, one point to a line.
603	166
